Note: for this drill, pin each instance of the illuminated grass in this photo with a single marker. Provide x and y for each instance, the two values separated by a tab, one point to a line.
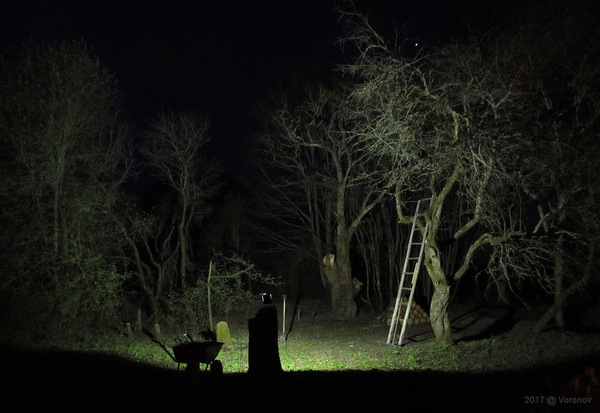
336	348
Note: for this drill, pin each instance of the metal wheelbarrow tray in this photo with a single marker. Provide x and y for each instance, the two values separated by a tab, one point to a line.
196	352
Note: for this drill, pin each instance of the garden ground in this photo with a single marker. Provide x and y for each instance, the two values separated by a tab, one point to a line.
497	364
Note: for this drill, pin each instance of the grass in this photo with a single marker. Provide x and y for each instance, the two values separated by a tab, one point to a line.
335	347
305	354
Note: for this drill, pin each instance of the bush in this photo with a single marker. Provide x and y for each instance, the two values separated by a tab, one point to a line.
228	279
90	295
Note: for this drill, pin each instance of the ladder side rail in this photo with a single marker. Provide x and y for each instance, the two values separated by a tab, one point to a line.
395	316
406	315
414	283
410	242
394	323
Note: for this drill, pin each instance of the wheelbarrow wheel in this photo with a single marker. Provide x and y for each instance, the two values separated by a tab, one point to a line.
216	368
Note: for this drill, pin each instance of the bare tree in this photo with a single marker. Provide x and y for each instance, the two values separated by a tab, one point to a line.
322	165
559	72
150	252
446	122
174	151
381	242
496	126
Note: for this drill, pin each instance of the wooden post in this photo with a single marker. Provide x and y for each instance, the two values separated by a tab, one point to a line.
283	321
129	331
157	331
138	325
210	320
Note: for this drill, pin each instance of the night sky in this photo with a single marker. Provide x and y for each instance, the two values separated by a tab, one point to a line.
221	57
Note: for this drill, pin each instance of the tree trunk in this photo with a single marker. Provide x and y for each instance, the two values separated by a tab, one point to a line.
338	268
142	272
438	312
440	321
339	275
320	252
183	244
561	296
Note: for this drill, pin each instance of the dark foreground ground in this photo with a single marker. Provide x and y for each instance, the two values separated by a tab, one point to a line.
77	382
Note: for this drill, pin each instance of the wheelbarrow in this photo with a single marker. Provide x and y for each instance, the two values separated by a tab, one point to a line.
193	353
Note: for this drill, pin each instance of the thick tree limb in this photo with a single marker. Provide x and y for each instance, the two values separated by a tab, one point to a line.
484	239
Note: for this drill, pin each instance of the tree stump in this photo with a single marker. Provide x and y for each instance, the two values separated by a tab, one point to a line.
263	348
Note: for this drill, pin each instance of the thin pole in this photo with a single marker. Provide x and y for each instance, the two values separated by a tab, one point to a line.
283	324
210	320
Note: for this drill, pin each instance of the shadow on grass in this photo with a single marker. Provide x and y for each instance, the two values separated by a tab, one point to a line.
81	382
503	324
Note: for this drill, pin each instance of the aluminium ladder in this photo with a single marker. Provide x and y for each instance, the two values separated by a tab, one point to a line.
410	272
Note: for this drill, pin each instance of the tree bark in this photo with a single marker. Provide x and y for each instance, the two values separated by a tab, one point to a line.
438	312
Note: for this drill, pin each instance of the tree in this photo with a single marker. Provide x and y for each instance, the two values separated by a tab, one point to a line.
150	252
447	124
495	129
174	151
558	69
322	165
63	140
380	243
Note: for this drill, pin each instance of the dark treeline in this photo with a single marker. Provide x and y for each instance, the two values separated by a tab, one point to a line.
102	215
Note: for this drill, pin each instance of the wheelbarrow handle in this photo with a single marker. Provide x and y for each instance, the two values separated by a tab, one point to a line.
154	339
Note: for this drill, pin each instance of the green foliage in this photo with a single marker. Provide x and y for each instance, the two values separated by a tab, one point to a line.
61	144
229	291
188	308
230	282
91	294
55	110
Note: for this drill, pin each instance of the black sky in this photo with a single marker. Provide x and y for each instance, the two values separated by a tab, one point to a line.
220	56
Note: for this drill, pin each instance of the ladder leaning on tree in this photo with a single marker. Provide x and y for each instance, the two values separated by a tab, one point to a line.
410	272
